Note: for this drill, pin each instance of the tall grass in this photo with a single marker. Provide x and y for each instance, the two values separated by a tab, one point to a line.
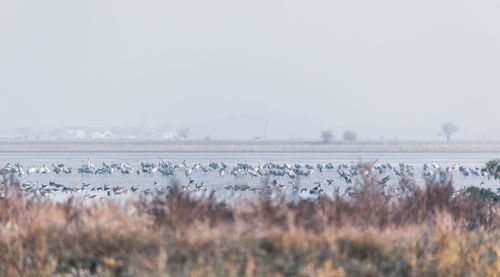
430	231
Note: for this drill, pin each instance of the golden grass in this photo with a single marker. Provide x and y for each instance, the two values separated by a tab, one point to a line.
430	232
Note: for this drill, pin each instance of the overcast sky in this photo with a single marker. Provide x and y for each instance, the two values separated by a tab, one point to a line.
228	68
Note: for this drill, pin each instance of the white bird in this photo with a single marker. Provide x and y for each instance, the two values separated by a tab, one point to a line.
188	171
31	170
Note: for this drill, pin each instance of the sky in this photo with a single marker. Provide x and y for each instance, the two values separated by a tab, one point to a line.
241	69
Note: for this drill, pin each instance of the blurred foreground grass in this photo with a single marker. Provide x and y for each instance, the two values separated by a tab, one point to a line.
431	231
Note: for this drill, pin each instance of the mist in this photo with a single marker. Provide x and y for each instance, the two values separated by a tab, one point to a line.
232	69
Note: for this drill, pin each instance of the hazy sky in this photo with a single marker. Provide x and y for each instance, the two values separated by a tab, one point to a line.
226	68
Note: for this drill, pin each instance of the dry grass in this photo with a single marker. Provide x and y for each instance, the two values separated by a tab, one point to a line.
432	231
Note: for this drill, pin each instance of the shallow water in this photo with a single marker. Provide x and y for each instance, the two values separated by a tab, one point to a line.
212	180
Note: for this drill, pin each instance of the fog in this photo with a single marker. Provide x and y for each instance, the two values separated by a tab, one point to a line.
228	69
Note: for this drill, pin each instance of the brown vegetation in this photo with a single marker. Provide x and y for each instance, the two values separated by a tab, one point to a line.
430	231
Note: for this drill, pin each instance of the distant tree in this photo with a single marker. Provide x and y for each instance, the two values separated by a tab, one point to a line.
183	133
349	136
326	137
448	129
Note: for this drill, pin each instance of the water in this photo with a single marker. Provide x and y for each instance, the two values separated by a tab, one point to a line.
212	180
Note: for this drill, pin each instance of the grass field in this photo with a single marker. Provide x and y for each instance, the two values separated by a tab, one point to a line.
432	231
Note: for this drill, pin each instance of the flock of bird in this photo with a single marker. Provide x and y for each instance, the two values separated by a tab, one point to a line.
268	169
271	171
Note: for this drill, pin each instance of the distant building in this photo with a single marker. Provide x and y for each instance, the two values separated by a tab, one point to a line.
169	135
72	133
102	135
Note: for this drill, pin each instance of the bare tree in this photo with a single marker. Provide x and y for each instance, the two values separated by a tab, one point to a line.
327	137
183	133
349	136
448	129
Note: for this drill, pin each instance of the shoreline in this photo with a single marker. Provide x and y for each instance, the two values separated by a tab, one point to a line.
158	146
